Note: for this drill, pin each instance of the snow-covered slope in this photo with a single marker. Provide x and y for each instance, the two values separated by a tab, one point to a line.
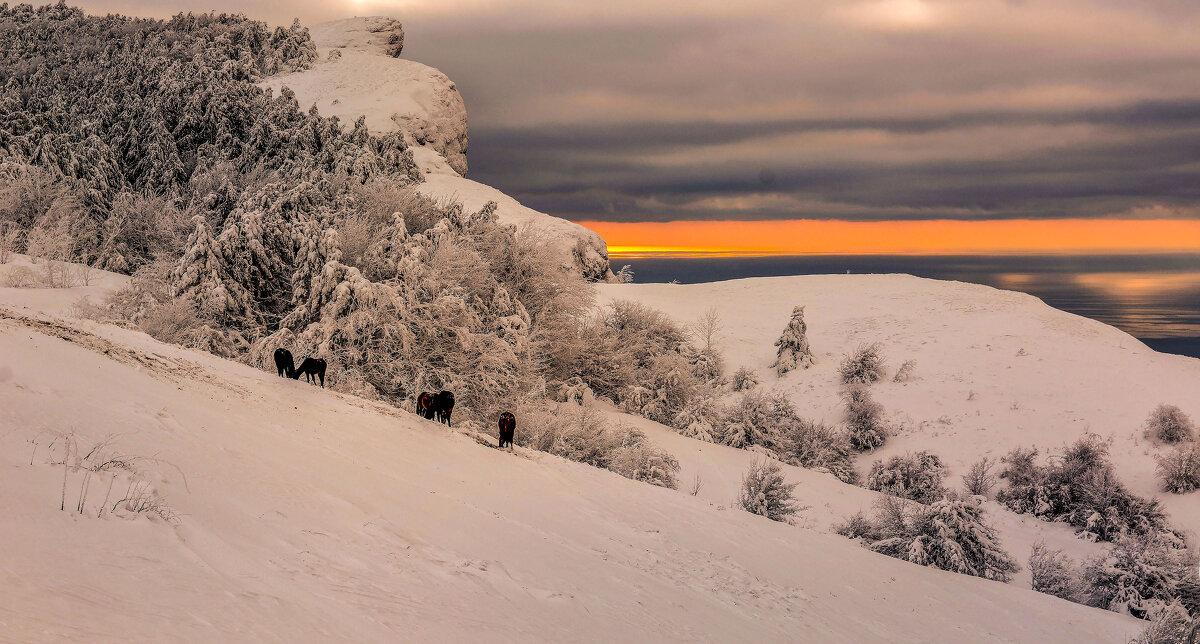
309	515
356	77
994	369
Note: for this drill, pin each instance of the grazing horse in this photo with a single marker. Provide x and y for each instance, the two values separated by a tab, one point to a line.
443	404
312	368
508	427
283	362
425	405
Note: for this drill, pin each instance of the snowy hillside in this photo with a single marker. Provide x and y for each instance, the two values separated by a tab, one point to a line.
357	75
994	369
298	513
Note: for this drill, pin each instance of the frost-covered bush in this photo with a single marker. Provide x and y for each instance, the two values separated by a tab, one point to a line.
668	385
863	419
792	350
905	372
636	459
582	434
759	421
743	379
1168	424
950	535
1179	469
574	391
1173	626
819	447
979	480
862	367
1054	573
1139	575
915	476
1079	488
700	418
766	492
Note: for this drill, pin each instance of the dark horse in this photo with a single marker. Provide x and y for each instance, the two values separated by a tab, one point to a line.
283	362
508	427
425	405
443	404
312	368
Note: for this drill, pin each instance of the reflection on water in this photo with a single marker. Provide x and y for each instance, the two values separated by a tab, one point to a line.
1155	298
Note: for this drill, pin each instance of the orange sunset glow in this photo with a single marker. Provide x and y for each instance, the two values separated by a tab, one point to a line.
924	237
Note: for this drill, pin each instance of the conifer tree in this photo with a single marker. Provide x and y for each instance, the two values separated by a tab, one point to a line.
793	351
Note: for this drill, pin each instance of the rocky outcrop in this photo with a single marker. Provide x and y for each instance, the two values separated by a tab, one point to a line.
359	76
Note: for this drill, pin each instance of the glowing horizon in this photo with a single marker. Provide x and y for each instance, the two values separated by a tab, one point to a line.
918	237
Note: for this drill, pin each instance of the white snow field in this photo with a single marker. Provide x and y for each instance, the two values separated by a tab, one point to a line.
994	369
301	514
394	94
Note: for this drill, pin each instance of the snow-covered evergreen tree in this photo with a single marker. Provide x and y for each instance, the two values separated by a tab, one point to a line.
950	535
201	276
793	351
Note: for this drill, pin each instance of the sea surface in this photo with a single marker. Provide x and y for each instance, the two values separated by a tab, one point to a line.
1155	298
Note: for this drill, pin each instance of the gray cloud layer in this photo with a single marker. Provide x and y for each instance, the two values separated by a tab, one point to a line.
857	109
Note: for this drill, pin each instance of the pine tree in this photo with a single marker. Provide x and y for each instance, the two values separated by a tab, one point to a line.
793	351
202	277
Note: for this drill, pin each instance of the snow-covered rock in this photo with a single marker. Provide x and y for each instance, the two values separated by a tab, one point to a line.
358	76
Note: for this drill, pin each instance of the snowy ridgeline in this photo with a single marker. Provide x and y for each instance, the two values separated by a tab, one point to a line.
358	74
179	494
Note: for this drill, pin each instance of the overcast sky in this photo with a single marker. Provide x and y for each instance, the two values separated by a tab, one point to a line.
652	110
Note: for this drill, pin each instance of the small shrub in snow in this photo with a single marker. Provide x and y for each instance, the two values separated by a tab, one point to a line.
580	434
624	276
761	421
818	447
1169	425
793	351
699	419
858	526
574	391
1054	573
1179	469
636	459
743	379
950	535
913	476
979	480
863	367
766	492
1079	488
905	372
1139	575
1173	626
863	418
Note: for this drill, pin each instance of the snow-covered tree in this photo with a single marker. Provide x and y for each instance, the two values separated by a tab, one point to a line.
792	350
202	277
766	492
950	535
863	366
915	476
863	418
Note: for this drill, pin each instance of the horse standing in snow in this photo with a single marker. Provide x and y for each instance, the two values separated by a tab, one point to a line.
443	404
283	362
312	368
425	405
508	427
